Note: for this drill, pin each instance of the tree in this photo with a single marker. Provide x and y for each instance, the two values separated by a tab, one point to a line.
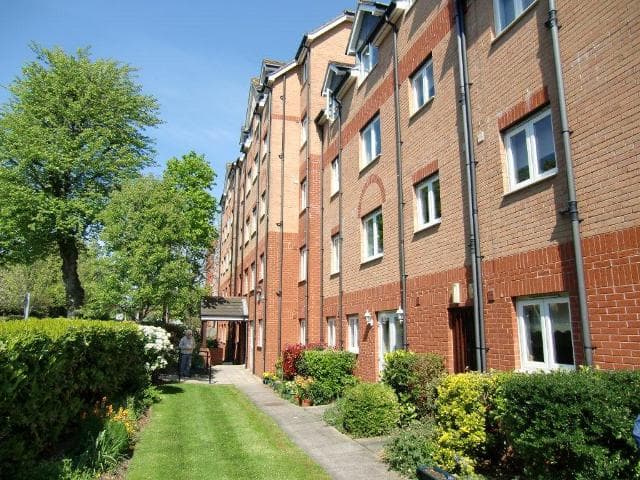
156	234
72	131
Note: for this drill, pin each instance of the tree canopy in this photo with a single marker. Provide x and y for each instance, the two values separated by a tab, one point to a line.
71	133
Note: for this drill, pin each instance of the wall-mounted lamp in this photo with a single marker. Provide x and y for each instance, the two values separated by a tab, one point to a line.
259	296
368	318
400	314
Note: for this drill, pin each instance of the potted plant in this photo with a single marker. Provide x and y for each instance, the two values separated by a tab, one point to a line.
303	386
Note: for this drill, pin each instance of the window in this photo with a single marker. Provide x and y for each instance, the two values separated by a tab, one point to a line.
335	176
303	264
303	131
254	220
260	340
261	269
335	254
531	153
506	11
305	71
303	331
370	147
263	204
245	284
254	171
247	227
252	280
390	335
265	146
427	202
544	327
372	242
422	85
353	333
367	59
331	332
303	194
249	180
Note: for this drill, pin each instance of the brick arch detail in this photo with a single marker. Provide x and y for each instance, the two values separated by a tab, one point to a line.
372	179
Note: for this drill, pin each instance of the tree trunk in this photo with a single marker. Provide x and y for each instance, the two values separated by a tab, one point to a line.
73	288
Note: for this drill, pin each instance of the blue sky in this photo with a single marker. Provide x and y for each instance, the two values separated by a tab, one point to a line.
195	56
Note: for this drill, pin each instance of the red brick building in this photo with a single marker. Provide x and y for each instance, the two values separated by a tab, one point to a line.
430	178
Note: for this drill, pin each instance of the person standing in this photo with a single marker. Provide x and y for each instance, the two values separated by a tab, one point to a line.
186	346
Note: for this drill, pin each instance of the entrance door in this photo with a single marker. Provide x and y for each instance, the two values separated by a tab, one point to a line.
250	349
390	335
464	339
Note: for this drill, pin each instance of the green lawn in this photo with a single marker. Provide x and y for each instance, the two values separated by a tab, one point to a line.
202	431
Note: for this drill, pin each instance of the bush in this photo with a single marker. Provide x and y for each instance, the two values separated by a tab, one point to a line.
571	425
290	356
370	409
331	370
412	446
52	372
334	415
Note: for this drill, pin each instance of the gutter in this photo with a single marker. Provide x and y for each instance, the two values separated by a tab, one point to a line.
572	203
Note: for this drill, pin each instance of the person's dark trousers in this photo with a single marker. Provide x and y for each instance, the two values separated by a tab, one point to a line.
185	364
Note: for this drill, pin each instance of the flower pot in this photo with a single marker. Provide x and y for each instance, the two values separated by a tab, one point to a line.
307	402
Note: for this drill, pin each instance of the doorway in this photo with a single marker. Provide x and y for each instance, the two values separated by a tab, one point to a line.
390	335
464	339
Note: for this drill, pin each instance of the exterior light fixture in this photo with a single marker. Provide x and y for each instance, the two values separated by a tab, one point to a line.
368	318
400	314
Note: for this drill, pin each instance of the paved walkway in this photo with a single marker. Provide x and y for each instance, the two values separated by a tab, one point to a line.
341	456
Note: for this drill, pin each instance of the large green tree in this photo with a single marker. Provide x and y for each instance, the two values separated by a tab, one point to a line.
71	133
157	232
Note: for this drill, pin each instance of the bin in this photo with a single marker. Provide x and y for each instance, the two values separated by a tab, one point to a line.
425	472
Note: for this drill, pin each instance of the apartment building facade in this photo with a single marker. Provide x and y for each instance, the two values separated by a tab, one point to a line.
449	176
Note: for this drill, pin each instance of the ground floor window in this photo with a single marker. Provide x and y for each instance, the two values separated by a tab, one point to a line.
353	333
303	331
331	332
390	335
544	330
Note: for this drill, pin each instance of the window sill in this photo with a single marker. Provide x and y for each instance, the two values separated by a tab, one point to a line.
514	22
362	78
303	145
421	108
354	350
334	195
427	226
368	165
371	259
302	282
334	274
530	183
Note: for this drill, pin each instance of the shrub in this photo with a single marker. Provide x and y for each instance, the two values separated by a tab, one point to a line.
370	409
412	446
332	371
53	371
290	356
571	425
157	347
334	415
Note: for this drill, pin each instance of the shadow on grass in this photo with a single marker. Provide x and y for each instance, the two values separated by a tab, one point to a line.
170	389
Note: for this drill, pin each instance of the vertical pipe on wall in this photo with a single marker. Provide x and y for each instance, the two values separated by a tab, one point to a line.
572	206
321	131
307	206
265	296
254	274
283	97
474	232
340	291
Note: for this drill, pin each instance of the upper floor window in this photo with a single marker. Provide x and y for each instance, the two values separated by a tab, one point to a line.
370	147
303	194
367	59
506	11
303	264
531	153
249	181
372	236
335	253
261	268
252	279
254	220
305	71
335	176
263	204
422	86
303	131
427	202
331	332
265	146
256	167
544	327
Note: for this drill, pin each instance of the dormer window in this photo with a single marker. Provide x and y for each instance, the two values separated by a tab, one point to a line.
367	59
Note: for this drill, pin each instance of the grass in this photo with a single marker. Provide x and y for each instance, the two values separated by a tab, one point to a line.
202	431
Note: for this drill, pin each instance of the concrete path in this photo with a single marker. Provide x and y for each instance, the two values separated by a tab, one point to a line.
341	456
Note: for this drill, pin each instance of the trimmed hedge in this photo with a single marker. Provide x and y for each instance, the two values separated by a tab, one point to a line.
52	372
331	370
370	410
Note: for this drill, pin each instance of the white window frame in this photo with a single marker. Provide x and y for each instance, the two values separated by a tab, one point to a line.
247	231
354	333
367	60
331	332
378	251
423	78
305	71
303	331
532	157
260	340
335	176
265	145
370	134
263	204
254	220
303	264
303	130
249	181
519	8
303	194
335	254
434	219
252	279
396	334
261	269
549	362
256	164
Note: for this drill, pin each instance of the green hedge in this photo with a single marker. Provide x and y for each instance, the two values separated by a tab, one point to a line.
332	371
52	372
370	410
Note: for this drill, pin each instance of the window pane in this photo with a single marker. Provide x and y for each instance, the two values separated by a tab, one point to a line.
429	79
369	232
561	330
368	146
543	132
376	140
379	232
418	90
399	340
373	56
507	12
519	156
424	204
533	332
436	197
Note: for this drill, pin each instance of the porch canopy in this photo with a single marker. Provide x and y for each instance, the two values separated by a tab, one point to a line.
224	309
